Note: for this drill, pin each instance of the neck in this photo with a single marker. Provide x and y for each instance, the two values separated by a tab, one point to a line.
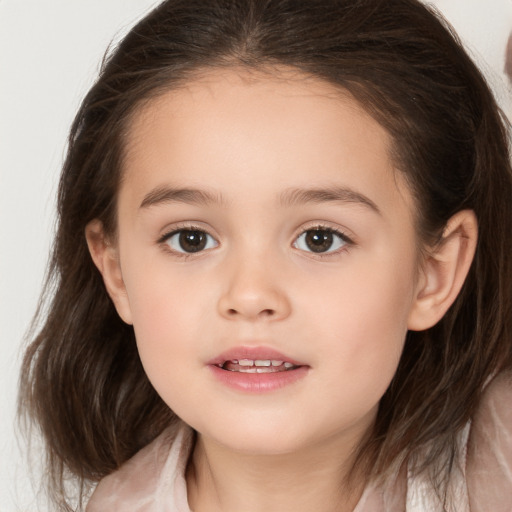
222	480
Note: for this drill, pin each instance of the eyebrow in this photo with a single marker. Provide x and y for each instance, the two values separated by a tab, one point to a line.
335	194
290	197
162	195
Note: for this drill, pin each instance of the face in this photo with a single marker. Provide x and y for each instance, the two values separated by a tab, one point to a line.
268	257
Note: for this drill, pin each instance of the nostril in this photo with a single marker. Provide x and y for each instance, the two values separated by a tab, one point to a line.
240	303
263	312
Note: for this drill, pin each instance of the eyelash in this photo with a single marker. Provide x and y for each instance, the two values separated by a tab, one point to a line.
345	239
164	239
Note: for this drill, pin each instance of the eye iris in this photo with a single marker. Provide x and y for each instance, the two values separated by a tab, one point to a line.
192	241
319	240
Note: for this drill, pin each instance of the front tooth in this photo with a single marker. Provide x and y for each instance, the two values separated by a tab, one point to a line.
276	363
262	362
246	362
249	370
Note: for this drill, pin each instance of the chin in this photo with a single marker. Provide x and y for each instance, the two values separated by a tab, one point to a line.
262	438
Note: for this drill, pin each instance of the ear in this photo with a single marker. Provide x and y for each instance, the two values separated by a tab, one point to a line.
444	270
106	258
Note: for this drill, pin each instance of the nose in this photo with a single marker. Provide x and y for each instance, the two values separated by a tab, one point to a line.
253	291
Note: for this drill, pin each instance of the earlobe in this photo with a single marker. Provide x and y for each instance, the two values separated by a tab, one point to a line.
106	258
444	270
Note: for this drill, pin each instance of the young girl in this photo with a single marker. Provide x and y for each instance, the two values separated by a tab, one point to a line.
282	273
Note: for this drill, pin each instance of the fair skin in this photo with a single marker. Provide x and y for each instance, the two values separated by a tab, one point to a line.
262	167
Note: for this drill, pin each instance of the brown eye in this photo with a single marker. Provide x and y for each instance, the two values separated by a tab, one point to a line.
190	241
320	240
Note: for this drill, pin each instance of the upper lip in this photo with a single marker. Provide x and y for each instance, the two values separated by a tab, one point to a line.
253	353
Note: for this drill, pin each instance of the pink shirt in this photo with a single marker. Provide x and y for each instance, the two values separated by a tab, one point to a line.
154	479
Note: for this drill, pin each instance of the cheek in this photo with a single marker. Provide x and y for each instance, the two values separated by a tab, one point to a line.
166	333
362	320
163	297
169	319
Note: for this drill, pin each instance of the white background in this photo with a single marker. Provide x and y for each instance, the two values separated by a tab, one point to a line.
49	54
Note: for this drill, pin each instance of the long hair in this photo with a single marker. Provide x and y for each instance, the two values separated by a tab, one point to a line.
82	381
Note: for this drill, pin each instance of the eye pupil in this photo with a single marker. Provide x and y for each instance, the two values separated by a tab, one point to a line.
192	241
319	240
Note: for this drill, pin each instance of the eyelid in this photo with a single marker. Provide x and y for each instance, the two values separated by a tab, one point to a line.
344	232
348	239
185	226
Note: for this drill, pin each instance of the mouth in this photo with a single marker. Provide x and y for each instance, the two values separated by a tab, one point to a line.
250	359
257	365
257	369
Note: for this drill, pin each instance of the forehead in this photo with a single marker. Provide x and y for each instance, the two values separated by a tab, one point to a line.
230	127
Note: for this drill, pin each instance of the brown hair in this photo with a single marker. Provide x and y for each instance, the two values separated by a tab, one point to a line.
82	380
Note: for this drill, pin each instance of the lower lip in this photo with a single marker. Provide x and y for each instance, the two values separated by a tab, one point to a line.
259	382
